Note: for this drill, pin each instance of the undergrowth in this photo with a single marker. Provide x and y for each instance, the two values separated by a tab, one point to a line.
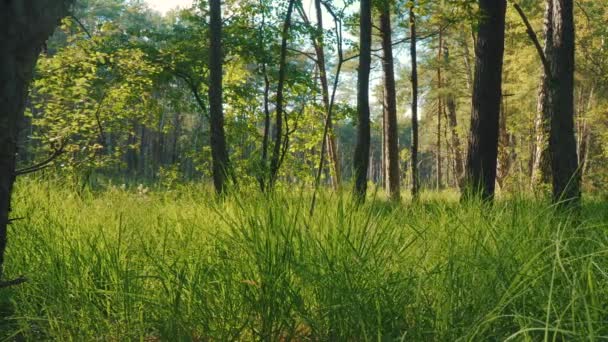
133	264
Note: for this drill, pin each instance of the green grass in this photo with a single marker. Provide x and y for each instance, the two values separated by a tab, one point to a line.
181	265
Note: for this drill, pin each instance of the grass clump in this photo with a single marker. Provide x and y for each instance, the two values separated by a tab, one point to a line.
180	265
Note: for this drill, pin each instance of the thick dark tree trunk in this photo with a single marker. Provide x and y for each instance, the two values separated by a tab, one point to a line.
414	108
25	25
219	152
361	158
275	162
562	141
391	141
487	90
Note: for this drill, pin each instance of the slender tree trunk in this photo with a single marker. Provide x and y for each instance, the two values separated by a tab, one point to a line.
414	108
457	161
585	135
541	169
467	61
24	27
391	141
439	110
332	150
487	90
361	158
562	141
278	138
266	138
219	152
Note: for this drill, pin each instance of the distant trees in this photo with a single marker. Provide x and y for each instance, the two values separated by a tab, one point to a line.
193	95
487	92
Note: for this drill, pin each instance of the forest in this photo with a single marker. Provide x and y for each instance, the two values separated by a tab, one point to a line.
304	170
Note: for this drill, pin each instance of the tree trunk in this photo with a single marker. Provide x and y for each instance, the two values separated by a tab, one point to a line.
439	110
541	170
266	138
219	153
278	138
562	141
332	151
25	25
414	108
391	141
457	162
361	158
487	90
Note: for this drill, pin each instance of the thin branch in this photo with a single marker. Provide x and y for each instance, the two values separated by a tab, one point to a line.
82	26
307	54
42	165
534	39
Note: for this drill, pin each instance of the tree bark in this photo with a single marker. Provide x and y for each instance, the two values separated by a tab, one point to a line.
439	111
457	161
487	90
278	138
562	141
219	152
414	107
25	26
332	150
541	170
361	158
391	141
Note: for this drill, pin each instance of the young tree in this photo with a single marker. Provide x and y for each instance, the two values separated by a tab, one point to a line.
24	28
275	162
487	91
362	149
391	141
219	153
332	146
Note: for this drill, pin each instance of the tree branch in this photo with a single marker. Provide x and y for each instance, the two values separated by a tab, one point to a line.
534	39
42	165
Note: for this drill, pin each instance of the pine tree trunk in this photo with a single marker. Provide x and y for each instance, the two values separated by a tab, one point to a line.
414	107
439	111
25	25
391	142
332	150
457	161
487	90
362	149
562	141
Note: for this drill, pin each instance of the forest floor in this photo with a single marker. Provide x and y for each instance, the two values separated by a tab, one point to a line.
180	265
